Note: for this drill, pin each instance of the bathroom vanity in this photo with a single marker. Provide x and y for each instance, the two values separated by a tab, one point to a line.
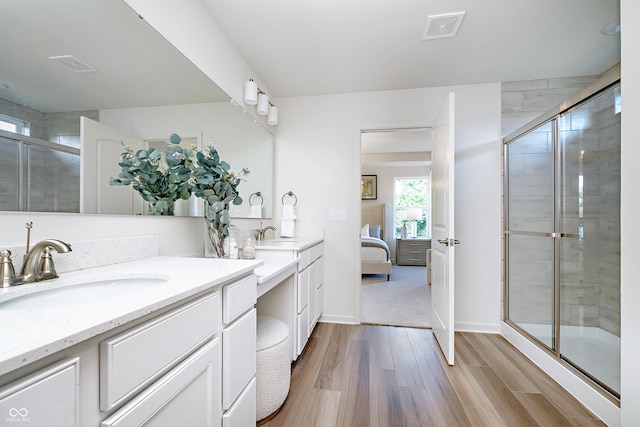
296	295
112	353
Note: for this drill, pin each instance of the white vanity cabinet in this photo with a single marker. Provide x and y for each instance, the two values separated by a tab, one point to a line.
239	352
48	397
191	362
186	395
207	387
132	361
301	307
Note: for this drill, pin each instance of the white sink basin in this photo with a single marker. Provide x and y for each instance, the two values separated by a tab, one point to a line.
80	293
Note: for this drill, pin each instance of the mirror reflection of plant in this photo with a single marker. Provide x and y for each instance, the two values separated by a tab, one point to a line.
213	181
160	180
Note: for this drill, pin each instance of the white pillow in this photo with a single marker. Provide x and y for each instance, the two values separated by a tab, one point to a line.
364	231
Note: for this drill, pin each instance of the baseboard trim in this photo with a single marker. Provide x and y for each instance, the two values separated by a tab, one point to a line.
480	328
344	320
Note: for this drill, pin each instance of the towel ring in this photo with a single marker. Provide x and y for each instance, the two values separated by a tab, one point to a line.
290	194
257	194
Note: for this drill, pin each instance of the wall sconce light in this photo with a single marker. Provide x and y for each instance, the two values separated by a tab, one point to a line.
250	92
253	95
263	104
272	118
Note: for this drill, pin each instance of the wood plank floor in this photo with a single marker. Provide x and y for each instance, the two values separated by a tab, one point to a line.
365	375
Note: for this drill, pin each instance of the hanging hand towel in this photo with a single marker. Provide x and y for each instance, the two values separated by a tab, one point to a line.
256	211
288	212
287	226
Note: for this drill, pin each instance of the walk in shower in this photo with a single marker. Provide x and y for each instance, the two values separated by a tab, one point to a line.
562	233
38	175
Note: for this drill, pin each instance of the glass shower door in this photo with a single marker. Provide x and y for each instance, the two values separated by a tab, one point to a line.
590	238
530	227
9	175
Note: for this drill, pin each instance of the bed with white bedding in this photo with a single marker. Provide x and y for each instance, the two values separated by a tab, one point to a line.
375	256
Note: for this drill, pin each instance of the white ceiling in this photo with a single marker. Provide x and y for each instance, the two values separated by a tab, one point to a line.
306	47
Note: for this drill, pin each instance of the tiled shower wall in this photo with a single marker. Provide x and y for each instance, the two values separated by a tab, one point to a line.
54	184
590	267
523	101
62	128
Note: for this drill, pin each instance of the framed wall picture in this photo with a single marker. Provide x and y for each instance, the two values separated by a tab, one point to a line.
369	187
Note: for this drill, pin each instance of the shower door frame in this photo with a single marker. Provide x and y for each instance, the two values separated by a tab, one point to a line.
607	81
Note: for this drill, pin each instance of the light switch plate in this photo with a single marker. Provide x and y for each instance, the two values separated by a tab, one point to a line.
337	215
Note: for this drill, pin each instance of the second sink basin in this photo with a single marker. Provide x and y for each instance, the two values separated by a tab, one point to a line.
80	293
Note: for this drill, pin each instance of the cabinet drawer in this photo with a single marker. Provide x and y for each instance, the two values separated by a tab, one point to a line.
309	255
304	282
238	357
239	297
243	411
46	398
303	329
305	259
185	396
133	359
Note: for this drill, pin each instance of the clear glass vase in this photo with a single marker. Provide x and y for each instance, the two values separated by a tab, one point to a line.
216	245
162	207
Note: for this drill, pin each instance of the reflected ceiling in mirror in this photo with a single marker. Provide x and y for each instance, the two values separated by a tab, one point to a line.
135	69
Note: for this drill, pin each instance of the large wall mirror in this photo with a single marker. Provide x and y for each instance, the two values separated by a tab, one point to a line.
67	59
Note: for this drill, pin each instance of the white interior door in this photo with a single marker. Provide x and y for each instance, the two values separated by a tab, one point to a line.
100	149
442	234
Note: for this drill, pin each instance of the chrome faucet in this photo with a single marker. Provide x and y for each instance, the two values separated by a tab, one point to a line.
38	263
263	231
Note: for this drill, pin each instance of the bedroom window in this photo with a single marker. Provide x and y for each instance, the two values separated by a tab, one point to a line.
412	206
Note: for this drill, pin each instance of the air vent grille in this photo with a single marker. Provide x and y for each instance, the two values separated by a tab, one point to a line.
73	63
441	26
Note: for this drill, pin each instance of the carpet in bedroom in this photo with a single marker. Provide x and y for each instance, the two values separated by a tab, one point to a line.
405	300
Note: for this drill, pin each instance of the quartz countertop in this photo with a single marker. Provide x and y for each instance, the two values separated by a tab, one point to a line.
28	335
270	275
288	244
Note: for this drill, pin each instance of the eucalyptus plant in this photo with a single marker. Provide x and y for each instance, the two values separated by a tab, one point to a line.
160	180
213	181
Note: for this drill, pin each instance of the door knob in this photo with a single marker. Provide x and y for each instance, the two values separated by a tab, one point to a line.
449	242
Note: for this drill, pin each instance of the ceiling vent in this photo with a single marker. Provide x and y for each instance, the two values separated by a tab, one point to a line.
73	63
441	26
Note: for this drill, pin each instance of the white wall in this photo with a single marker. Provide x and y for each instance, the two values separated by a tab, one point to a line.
630	226
318	158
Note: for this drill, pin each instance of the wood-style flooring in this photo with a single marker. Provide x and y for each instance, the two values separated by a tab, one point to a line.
365	375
